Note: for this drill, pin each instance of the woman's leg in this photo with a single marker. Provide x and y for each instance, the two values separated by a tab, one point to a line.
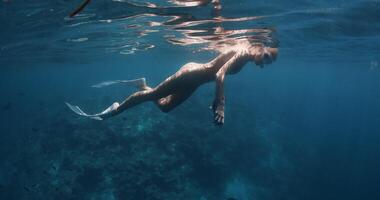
168	103
165	103
138	97
167	95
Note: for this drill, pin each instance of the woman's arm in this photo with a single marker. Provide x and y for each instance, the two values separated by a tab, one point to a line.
219	101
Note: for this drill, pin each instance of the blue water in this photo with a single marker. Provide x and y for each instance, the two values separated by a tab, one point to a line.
303	127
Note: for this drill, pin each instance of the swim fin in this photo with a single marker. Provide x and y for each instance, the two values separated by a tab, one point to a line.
139	83
100	116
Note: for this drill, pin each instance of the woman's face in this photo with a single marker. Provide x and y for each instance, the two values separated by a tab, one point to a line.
263	55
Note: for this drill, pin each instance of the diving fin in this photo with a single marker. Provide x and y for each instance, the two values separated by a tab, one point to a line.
139	83
100	116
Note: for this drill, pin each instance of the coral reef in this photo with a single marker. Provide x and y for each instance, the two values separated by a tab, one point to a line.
151	155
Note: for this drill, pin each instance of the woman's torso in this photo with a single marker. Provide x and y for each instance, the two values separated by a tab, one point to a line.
199	73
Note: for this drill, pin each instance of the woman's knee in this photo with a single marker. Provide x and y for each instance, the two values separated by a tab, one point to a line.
164	104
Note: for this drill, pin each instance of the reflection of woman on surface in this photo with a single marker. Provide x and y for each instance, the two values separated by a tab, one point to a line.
178	87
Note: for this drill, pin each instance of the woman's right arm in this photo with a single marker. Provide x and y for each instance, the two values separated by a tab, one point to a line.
219	101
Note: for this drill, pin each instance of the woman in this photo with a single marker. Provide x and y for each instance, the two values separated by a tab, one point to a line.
178	87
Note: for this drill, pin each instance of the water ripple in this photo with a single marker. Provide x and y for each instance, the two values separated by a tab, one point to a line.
111	25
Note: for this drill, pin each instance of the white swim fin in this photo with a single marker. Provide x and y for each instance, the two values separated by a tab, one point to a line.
138	83
100	116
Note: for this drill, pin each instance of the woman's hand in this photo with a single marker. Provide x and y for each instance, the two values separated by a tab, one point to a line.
218	110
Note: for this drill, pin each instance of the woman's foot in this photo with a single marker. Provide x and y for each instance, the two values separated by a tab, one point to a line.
141	84
109	112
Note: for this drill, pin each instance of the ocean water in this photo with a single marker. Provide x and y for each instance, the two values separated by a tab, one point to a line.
303	127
